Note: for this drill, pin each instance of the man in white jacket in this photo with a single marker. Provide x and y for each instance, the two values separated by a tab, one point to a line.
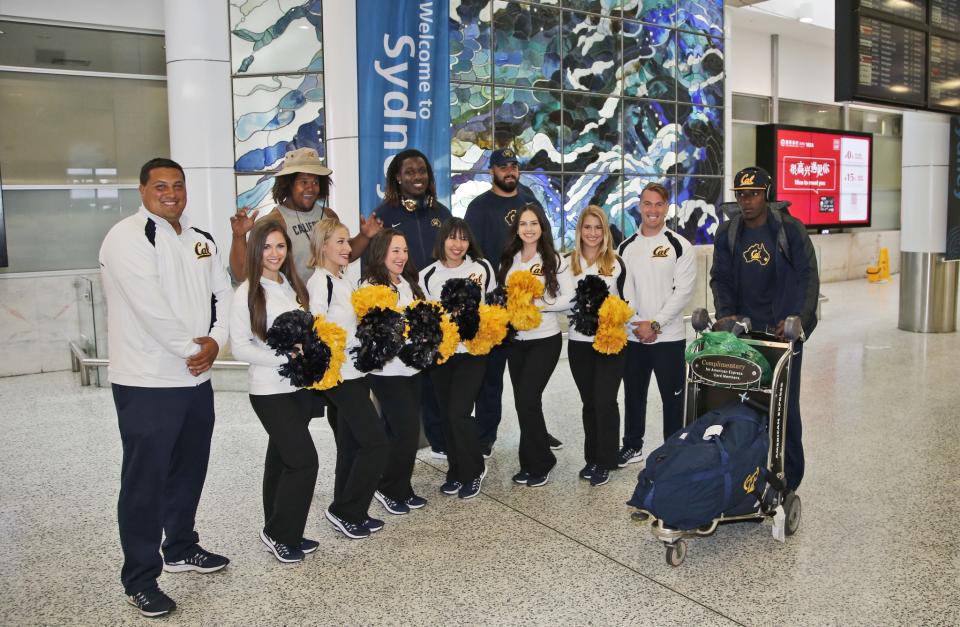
167	311
660	277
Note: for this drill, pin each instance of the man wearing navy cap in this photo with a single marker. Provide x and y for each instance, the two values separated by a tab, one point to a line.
490	216
764	267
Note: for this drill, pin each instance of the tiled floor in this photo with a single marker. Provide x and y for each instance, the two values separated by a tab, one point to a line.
876	545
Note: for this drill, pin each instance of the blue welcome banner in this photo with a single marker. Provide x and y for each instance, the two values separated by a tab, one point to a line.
404	90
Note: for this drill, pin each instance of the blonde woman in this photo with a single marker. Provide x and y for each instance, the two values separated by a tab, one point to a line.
596	375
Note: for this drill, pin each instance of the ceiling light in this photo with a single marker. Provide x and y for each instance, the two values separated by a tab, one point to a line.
806	19
899	89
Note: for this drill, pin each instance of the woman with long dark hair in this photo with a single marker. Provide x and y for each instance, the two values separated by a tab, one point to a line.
596	375
397	386
290	467
533	356
457	381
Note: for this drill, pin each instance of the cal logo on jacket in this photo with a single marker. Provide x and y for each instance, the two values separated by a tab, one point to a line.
661	252
202	249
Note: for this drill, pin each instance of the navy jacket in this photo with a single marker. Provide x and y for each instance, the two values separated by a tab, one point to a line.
798	282
420	227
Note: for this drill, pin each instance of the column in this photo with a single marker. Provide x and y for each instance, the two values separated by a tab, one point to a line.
200	110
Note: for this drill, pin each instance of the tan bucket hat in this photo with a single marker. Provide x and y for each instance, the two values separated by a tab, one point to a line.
303	160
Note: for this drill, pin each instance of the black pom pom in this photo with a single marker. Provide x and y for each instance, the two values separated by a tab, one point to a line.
296	370
461	298
289	328
380	334
423	337
316	357
585	315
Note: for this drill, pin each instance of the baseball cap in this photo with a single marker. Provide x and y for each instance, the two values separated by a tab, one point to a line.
751	178
502	157
303	160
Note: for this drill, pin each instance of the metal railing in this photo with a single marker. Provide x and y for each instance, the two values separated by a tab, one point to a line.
80	362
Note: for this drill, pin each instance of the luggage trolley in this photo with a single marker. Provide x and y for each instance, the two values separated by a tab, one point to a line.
712	382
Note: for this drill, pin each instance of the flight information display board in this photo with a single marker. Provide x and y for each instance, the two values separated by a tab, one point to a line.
903	53
824	174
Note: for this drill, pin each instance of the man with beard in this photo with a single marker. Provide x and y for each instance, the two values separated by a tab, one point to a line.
300	189
490	216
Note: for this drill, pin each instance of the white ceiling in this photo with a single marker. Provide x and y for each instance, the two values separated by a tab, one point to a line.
819	11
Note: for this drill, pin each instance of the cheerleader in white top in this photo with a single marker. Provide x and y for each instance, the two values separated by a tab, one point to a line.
534	354
596	374
457	381
361	440
290	467
396	385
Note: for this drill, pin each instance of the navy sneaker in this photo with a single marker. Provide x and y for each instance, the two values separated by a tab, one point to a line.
397	508
349	529
200	562
415	502
586	472
152	602
308	546
628	455
486	449
286	553
373	524
470	490
535	481
555	444
437	454
600	476
451	487
521	477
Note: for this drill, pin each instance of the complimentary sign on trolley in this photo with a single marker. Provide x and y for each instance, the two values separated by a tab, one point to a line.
404	90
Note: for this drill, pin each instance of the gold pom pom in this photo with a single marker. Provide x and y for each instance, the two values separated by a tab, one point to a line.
451	338
522	289
611	331
492	330
370	296
335	338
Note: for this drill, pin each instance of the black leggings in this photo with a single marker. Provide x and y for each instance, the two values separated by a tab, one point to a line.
457	383
598	379
290	468
399	399
531	363
361	450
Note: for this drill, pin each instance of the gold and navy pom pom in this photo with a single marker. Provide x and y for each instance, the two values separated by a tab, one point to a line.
611	335
424	334
494	322
461	298
522	289
591	293
369	296
335	338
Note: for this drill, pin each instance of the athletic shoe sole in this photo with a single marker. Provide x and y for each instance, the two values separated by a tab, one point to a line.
311	547
633	460
270	547
373	527
146	613
519	481
600	483
438	454
542	481
184	568
383	501
417	506
336	522
449	492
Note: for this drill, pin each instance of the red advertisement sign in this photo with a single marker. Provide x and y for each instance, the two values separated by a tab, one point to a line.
825	175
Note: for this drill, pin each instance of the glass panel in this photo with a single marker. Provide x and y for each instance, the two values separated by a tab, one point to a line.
632	188
700	70
529	121
470	41
810	114
695	214
66	48
586	189
465	186
887	154
704	16
62	229
661	12
744	146
700	144
751	108
275	114
649	70
470	132
63	130
876	122
276	37
591	133
526	45
547	188
591	53
649	136
254	191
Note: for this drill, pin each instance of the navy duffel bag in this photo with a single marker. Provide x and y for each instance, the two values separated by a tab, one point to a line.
716	465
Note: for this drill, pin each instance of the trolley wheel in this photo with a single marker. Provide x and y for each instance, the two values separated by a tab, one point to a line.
792	512
676	552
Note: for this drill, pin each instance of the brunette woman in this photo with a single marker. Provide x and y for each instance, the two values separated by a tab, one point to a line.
361	441
596	375
290	468
534	355
397	386
457	381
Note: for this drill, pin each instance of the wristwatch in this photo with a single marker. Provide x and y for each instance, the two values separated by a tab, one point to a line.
655	326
